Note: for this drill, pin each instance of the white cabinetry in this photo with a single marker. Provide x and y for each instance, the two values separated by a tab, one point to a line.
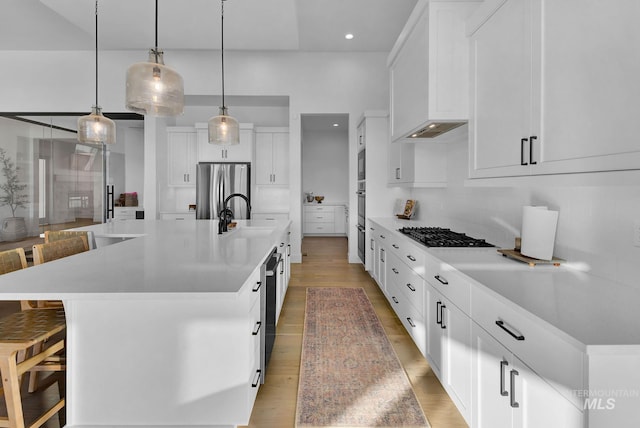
429	68
508	393
127	213
323	219
269	216
423	164
190	215
272	156
182	151
534	108
242	152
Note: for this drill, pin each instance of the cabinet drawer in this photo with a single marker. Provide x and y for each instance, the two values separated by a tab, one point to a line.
318	209
319	217
409	253
411	318
318	227
191	215
558	362
407	282
450	283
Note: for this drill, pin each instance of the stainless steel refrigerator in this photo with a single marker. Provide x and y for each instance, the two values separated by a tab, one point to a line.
215	181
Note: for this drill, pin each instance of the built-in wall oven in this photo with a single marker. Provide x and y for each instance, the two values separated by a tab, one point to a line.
361	165
361	218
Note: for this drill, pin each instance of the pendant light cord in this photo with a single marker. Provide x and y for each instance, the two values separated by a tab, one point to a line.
97	53
222	46
156	51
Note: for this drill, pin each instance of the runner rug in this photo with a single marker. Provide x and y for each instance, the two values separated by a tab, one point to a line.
350	376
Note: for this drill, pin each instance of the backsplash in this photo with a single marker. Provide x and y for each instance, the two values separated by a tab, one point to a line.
595	226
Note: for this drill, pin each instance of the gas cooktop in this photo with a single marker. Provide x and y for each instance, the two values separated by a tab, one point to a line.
439	237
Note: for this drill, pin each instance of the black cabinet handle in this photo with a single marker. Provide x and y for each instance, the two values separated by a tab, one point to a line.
382	255
411	287
441	280
395	271
531	140
394	299
522	141
382	236
442	308
410	257
503	391
395	246
257	329
411	322
256	379
438	313
512	386
500	324
257	287
372	244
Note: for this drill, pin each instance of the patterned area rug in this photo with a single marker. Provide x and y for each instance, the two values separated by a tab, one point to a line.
350	376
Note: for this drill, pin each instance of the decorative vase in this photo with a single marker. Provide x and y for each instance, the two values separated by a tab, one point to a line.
14	229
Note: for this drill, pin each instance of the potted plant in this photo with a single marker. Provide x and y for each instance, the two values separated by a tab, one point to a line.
13	228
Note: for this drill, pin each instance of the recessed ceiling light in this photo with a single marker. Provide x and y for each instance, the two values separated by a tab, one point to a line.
335	124
348	36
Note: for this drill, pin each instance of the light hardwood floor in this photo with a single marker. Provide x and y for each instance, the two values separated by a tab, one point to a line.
325	264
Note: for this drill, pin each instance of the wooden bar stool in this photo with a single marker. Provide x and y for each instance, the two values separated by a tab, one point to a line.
18	333
57	235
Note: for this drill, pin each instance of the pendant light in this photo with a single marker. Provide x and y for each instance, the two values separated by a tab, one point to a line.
223	129
152	87
95	128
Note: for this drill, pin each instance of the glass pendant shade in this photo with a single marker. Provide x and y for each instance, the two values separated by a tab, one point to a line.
224	130
153	88
96	129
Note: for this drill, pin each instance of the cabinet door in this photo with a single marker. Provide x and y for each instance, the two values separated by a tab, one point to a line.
456	370
401	163
501	57
182	158
590	105
264	160
339	219
434	302
491	368
213	153
280	158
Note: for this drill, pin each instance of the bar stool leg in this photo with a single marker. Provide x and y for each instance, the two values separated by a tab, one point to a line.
9	373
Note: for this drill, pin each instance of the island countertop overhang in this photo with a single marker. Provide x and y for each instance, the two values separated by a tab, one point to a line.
157	259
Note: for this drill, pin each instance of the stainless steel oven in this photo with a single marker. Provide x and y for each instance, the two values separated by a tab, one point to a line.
362	165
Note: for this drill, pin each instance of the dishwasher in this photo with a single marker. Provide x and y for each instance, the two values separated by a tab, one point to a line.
269	308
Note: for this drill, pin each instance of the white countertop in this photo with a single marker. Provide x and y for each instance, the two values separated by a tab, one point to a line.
166	258
590	310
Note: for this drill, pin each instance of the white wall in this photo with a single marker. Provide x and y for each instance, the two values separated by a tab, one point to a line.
594	227
325	164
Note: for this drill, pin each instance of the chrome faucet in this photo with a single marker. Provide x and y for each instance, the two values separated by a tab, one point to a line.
222	223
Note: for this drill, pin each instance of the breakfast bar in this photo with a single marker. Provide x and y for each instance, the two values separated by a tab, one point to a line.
160	326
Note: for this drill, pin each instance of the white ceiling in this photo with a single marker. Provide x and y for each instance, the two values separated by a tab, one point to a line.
304	25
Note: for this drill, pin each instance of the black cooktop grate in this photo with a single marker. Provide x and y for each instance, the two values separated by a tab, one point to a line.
440	237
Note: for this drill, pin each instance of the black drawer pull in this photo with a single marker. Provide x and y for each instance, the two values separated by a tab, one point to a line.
441	279
522	141
411	322
410	257
411	287
512	385
531	140
257	287
256	379
372	244
395	271
394	299
382	236
395	246
438	313
257	329
503	391
500	324
442	308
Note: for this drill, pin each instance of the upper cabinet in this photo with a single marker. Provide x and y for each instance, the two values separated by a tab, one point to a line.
429	67
554	87
242	152
182	155
272	156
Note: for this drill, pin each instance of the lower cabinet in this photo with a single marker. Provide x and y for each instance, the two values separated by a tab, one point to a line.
324	220
449	348
507	393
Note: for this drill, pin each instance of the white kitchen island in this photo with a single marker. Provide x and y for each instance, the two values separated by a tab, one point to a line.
161	326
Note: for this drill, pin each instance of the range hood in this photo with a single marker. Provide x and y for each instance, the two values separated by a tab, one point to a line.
435	129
